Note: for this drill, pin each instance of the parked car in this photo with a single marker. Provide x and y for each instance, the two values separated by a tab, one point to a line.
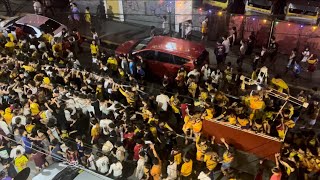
32	24
165	55
60	171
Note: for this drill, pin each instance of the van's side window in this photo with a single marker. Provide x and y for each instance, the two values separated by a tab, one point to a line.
179	60
147	55
164	57
29	30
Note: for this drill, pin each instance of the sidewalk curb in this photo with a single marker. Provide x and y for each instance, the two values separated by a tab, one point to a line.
106	43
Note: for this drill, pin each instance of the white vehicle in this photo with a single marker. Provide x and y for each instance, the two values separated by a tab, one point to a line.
60	171
32	24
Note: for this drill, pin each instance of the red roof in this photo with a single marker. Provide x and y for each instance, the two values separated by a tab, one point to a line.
178	47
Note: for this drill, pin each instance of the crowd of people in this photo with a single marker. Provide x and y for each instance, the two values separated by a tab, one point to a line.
102	115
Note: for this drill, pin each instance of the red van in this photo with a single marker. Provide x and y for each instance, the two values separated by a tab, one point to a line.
165	55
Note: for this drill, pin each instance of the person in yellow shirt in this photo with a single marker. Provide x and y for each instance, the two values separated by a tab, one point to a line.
204	28
211	159
312	63
28	68
46	80
197	126
186	168
174	102
188	122
227	157
203	95
34	106
155	171
57	49
164	126
29	126
50	37
20	161
112	63
10	45
201	148
287	120
243	121
145	112
130	95
192	89
95	131
94	48
209	113
87	16
153	119
153	129
122	74
7	116
231	117
11	37
177	155
280	84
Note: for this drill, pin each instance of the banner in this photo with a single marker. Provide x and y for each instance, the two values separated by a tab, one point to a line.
259	144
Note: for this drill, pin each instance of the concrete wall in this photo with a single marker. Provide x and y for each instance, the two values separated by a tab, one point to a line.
147	12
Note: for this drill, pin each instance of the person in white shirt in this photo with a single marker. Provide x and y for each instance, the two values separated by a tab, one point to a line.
172	169
26	109
90	159
42	45
206	72
120	152
226	44
204	175
188	30
216	75
116	168
162	101
106	109
107	147
18	119
165	25
102	163
4	127
305	54
263	54
95	36
37	7
195	73
15	147
104	125
140	166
